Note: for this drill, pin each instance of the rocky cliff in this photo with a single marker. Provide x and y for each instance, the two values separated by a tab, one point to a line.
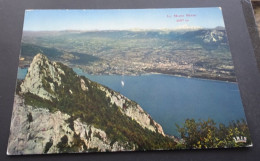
38	131
56	110
40	69
133	110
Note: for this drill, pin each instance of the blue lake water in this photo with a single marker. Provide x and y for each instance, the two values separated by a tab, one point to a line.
171	100
22	73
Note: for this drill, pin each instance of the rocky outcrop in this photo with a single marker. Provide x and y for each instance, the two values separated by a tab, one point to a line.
38	131
133	110
39	69
83	85
32	128
97	138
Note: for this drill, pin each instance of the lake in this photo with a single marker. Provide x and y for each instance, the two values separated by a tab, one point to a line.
22	73
171	100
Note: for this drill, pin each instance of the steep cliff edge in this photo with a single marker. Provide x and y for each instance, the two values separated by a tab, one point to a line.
41	69
38	131
55	110
133	110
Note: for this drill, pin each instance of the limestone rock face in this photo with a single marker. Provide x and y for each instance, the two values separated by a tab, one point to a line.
32	128
39	69
133	110
83	85
96	138
38	131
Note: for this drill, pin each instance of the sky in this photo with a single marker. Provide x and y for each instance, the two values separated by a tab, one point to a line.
122	19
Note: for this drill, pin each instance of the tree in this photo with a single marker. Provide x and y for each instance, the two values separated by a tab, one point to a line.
205	134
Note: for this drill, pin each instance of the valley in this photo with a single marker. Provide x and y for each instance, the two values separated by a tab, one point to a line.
194	53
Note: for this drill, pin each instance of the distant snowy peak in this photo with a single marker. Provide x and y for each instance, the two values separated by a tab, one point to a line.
213	36
187	27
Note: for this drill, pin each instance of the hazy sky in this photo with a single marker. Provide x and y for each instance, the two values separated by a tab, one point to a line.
122	19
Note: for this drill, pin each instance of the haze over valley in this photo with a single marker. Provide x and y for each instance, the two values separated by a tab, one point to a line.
201	53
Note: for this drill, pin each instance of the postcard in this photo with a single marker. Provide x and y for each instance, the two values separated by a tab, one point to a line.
107	80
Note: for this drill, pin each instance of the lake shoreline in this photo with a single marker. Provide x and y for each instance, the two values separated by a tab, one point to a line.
157	73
